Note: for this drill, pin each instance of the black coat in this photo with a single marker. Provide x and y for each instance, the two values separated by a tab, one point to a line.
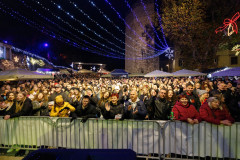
114	110
193	100
89	112
160	109
26	109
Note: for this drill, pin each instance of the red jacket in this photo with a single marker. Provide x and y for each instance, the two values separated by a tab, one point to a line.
207	114
182	112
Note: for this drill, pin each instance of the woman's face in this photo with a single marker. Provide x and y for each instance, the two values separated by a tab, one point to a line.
76	92
103	89
20	97
170	93
114	99
11	97
207	89
40	96
106	95
184	101
206	95
215	104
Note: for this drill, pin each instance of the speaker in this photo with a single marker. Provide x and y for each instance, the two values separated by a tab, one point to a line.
82	154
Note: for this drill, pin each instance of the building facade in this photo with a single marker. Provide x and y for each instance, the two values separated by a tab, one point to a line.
142	41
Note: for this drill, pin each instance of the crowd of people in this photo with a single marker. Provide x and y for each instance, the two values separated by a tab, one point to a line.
186	99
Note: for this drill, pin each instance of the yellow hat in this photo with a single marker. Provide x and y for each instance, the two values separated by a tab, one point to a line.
59	99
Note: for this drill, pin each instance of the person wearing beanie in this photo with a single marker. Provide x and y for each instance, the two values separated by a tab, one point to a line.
61	108
184	111
211	111
203	95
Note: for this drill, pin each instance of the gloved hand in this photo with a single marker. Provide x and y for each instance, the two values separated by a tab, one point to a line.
84	119
74	116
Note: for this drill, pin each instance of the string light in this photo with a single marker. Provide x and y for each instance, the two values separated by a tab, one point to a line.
236	48
97	24
120	17
81	32
230	24
160	23
150	21
34	10
141	25
16	59
45	31
30	23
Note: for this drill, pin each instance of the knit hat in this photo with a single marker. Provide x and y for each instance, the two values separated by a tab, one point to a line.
51	103
201	92
59	99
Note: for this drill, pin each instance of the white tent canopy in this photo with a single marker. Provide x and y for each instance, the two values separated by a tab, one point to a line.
186	73
85	71
22	74
103	71
227	72
158	73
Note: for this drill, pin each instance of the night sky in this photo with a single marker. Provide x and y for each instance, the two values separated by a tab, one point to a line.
15	31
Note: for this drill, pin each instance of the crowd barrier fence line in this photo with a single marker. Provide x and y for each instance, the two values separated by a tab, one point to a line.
151	139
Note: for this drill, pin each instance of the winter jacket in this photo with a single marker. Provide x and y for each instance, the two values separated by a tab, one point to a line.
182	112
89	112
37	109
25	111
60	111
140	107
114	110
214	115
160	109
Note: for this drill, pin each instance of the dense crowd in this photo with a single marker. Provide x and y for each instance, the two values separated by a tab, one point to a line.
186	99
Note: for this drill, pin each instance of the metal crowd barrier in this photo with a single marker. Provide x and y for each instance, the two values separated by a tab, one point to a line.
149	139
32	133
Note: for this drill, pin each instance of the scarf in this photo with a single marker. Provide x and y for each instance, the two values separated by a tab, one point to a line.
19	105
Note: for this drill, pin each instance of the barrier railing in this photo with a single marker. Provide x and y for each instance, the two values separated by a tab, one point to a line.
155	139
44	132
205	140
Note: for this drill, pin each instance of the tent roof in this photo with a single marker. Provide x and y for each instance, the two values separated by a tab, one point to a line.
136	75
103	71
47	70
85	71
185	72
158	73
22	74
119	72
228	72
106	75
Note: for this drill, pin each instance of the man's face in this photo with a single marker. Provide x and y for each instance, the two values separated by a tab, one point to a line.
133	96
69	87
85	102
162	93
189	89
221	86
58	89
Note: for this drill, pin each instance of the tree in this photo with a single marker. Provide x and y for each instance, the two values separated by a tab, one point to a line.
191	24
